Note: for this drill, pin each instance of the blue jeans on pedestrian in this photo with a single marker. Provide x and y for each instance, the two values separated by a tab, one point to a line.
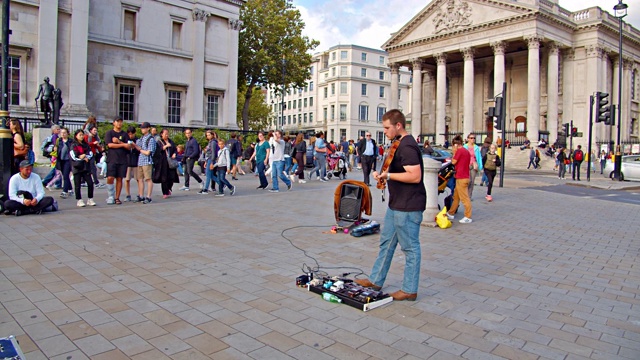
211	176
65	167
288	163
400	227
277	172
222	180
263	178
50	176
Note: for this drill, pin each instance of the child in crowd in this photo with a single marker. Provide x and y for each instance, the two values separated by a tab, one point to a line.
180	158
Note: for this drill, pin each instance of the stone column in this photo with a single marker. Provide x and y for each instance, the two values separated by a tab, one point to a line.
428	98
48	41
594	66
77	99
567	85
395	81
533	88
552	92
441	96
196	91
468	91
498	74
625	123
231	97
416	98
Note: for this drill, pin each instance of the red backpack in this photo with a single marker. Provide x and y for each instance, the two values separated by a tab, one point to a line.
578	156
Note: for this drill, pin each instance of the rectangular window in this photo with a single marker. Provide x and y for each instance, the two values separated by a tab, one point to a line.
363	92
363	113
294	104
305	118
381	76
126	102
333	89
213	109
381	60
381	111
380	137
129	25
310	117
381	91
300	104
343	71
14	80
343	112
289	119
324	114
333	112
310	102
343	87
363	72
305	102
176	35
326	91
343	54
289	104
294	119
311	86
174	106
343	134
333	71
364	57
333	56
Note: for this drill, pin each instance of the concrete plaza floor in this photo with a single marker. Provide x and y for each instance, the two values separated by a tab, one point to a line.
537	275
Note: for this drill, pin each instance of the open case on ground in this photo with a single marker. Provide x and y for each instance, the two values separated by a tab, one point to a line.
350	293
9	349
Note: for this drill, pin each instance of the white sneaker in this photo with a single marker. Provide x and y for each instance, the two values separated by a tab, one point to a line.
466	220
450	217
302	181
184	188
81	203
110	200
91	202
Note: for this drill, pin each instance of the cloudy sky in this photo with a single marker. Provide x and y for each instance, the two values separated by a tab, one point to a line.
370	22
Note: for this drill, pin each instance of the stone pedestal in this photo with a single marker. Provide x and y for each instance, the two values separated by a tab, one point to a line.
39	134
431	168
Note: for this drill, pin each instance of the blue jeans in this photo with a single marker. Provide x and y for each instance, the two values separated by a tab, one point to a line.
263	178
211	176
277	172
321	165
401	227
288	163
222	180
65	167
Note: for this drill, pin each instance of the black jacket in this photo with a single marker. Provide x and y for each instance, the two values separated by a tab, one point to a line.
362	146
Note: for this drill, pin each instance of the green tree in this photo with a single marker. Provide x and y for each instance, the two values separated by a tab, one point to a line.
259	114
270	39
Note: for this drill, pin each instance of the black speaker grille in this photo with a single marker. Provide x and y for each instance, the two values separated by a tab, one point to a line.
350	208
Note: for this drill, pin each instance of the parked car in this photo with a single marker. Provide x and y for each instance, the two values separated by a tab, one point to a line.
441	154
630	168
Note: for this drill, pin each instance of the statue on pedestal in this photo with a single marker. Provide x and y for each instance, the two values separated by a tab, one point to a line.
45	94
57	105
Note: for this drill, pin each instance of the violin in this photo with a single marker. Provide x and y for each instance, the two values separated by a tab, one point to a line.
388	158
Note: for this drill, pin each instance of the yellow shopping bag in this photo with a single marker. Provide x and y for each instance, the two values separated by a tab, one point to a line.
442	220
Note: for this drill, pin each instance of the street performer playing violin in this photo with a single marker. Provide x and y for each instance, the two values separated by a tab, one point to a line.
403	173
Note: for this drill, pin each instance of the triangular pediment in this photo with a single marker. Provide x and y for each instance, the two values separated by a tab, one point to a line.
442	17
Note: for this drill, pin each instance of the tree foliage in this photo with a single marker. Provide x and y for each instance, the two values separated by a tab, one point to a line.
270	39
259	114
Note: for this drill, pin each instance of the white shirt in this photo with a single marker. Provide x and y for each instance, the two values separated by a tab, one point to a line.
32	184
278	150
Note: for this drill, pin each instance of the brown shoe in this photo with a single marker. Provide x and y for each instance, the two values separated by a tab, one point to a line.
367	283
401	295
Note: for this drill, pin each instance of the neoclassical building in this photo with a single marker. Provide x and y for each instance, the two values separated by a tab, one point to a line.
169	62
461	52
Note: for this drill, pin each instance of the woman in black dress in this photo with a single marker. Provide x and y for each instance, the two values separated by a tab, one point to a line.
162	173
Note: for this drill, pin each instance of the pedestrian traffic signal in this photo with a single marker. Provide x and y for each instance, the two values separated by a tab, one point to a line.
604	115
574	131
497	123
566	129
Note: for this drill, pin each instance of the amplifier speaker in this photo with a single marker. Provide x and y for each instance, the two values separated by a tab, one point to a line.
350	202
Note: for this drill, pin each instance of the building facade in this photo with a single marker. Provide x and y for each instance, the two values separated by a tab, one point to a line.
166	62
460	53
349	90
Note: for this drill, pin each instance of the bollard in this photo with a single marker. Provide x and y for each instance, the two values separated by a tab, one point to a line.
431	168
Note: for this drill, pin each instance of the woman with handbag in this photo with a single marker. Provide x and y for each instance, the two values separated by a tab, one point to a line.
63	163
165	164
562	168
80	156
19	144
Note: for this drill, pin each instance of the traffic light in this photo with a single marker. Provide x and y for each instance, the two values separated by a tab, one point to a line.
496	113
574	131
566	129
604	115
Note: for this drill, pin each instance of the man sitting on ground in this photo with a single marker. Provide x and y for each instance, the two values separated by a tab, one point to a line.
26	193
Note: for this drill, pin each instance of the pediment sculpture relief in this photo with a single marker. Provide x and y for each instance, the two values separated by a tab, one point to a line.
453	15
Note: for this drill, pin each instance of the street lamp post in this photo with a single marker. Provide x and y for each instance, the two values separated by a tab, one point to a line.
6	141
620	12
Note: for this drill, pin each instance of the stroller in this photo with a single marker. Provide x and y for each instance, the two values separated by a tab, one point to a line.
337	165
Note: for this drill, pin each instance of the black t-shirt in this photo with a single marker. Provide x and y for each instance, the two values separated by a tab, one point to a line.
404	196
133	154
117	155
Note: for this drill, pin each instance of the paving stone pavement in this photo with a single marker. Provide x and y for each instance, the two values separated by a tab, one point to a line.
535	276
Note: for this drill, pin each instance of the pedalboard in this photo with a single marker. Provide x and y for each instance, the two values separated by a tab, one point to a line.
348	292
